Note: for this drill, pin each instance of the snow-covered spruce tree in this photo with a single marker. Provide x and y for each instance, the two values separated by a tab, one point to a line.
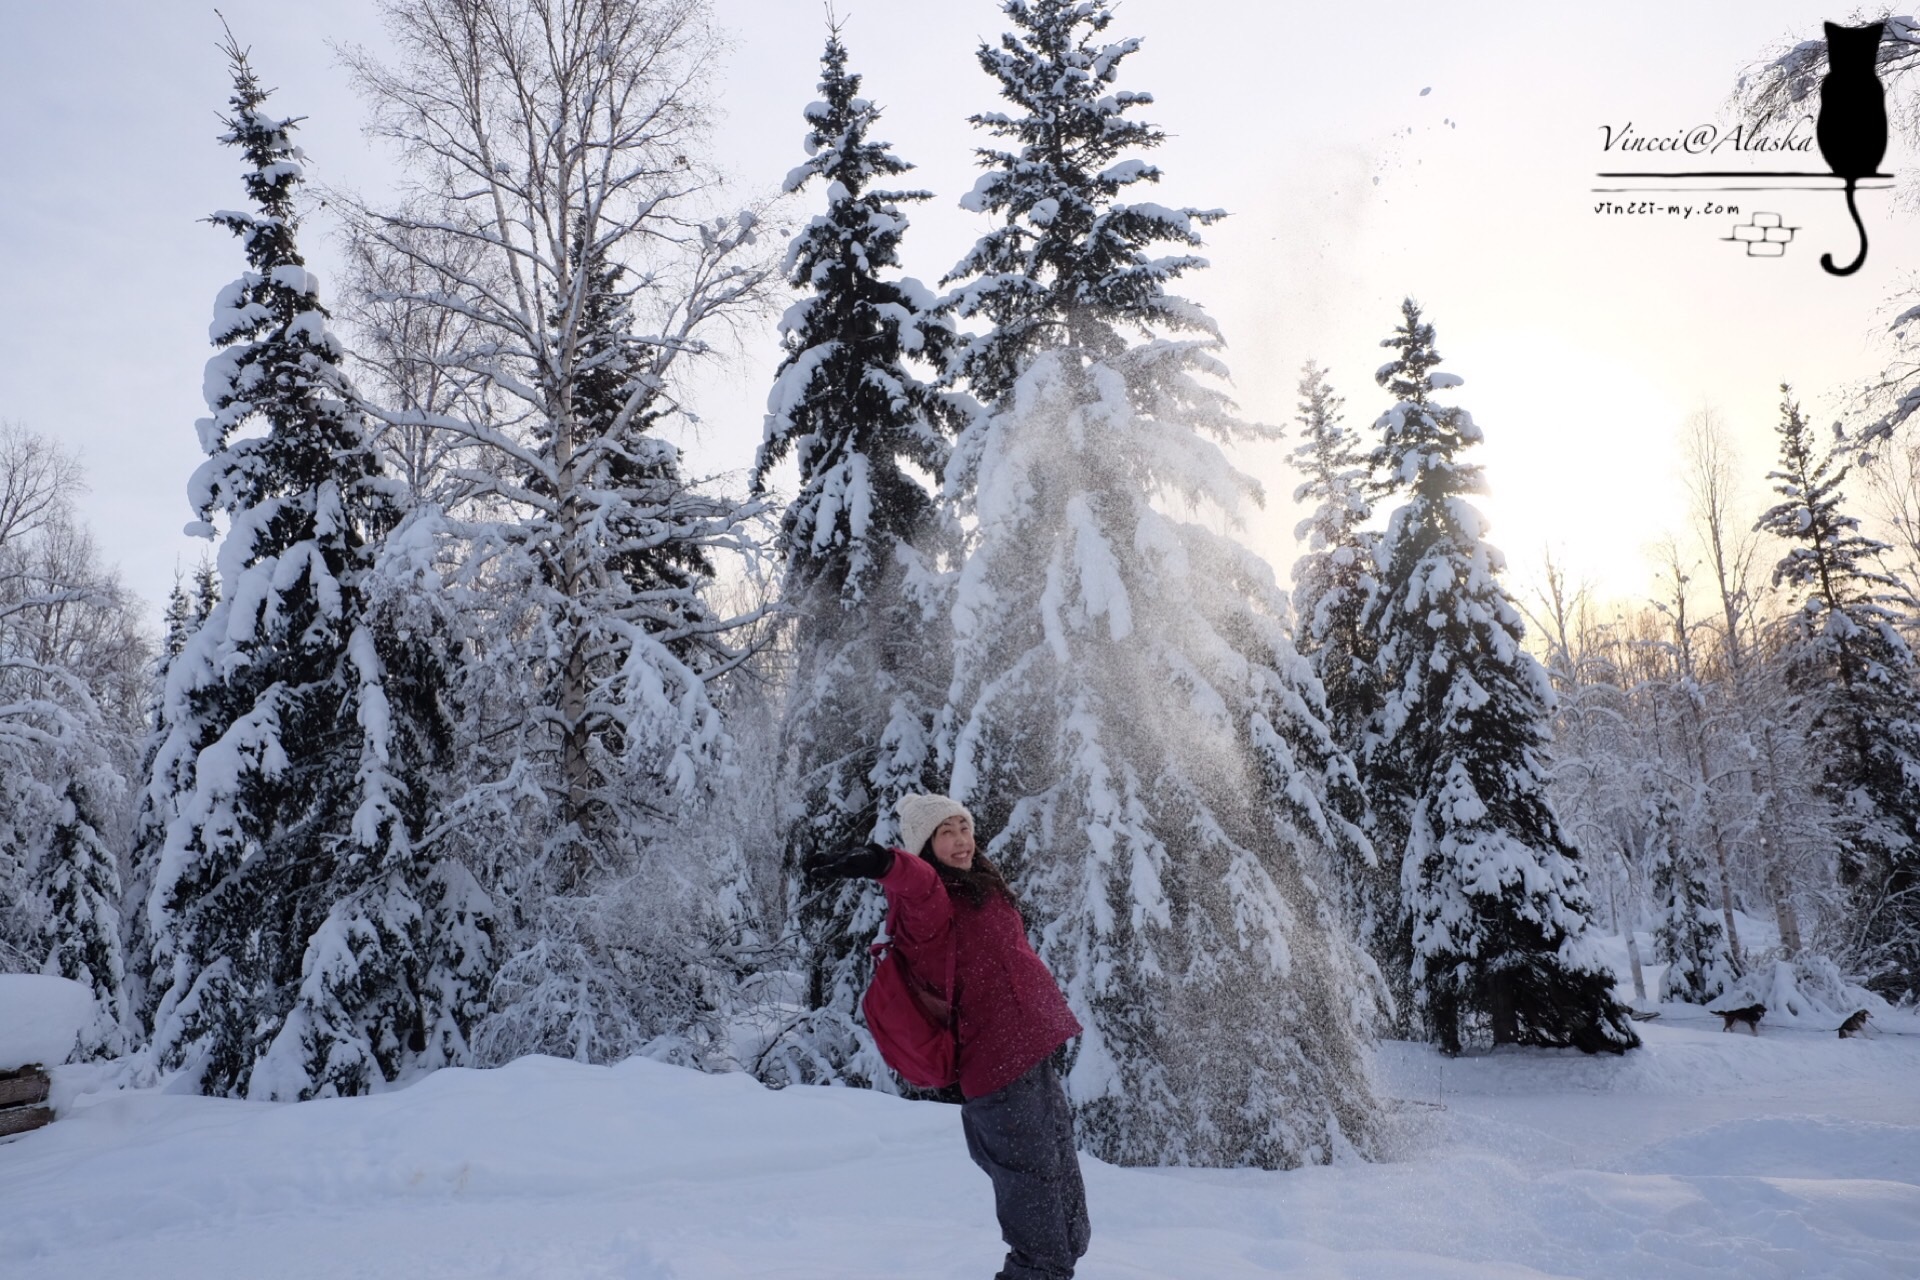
79	881
859	541
159	790
311	946
1491	888
566	234
594	738
1687	934
1144	749
1332	578
1848	665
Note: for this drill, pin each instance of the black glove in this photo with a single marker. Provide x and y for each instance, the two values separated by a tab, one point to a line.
872	862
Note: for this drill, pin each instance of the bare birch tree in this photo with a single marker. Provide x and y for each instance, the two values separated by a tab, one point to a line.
561	254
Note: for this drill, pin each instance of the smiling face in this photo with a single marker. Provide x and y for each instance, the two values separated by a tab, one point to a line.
953	843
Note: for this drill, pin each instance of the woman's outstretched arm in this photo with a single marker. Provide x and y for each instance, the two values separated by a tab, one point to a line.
922	911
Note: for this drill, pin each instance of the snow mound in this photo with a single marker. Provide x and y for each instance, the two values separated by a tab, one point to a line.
40	1018
1802	989
1802	1147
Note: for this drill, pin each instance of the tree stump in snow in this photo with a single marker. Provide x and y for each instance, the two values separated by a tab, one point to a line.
21	1092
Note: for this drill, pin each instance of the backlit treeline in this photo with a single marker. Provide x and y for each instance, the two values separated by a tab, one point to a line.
1744	743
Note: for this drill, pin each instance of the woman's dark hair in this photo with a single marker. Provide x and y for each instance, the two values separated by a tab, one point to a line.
976	883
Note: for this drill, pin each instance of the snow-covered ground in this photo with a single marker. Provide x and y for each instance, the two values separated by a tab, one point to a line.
1790	1154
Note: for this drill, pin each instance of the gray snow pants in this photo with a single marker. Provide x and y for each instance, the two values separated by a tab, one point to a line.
1022	1136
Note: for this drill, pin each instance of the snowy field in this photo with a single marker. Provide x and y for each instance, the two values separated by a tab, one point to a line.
1794	1154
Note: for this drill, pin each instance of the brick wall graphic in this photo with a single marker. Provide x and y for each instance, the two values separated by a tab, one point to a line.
1764	236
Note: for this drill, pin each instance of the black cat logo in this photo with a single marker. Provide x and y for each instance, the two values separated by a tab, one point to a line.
1852	128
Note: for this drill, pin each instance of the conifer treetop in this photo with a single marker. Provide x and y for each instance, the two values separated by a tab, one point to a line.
1330	463
280	360
1070	261
276	168
844	402
1810	514
1422	440
837	145
1847	614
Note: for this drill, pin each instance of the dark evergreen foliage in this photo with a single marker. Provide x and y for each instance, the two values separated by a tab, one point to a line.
1332	579
1855	677
1494	896
1333	575
307	944
1069	265
858	540
629	473
159	792
79	884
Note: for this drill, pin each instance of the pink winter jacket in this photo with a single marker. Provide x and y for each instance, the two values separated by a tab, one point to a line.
1012	1014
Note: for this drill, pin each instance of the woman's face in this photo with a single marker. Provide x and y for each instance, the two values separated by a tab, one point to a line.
953	843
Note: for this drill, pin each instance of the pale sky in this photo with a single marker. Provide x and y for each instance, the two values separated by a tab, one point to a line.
1584	340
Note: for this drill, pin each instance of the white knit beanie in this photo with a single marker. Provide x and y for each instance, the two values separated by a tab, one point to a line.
920	815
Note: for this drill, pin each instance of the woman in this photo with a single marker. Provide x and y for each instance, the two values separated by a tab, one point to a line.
1011	1018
